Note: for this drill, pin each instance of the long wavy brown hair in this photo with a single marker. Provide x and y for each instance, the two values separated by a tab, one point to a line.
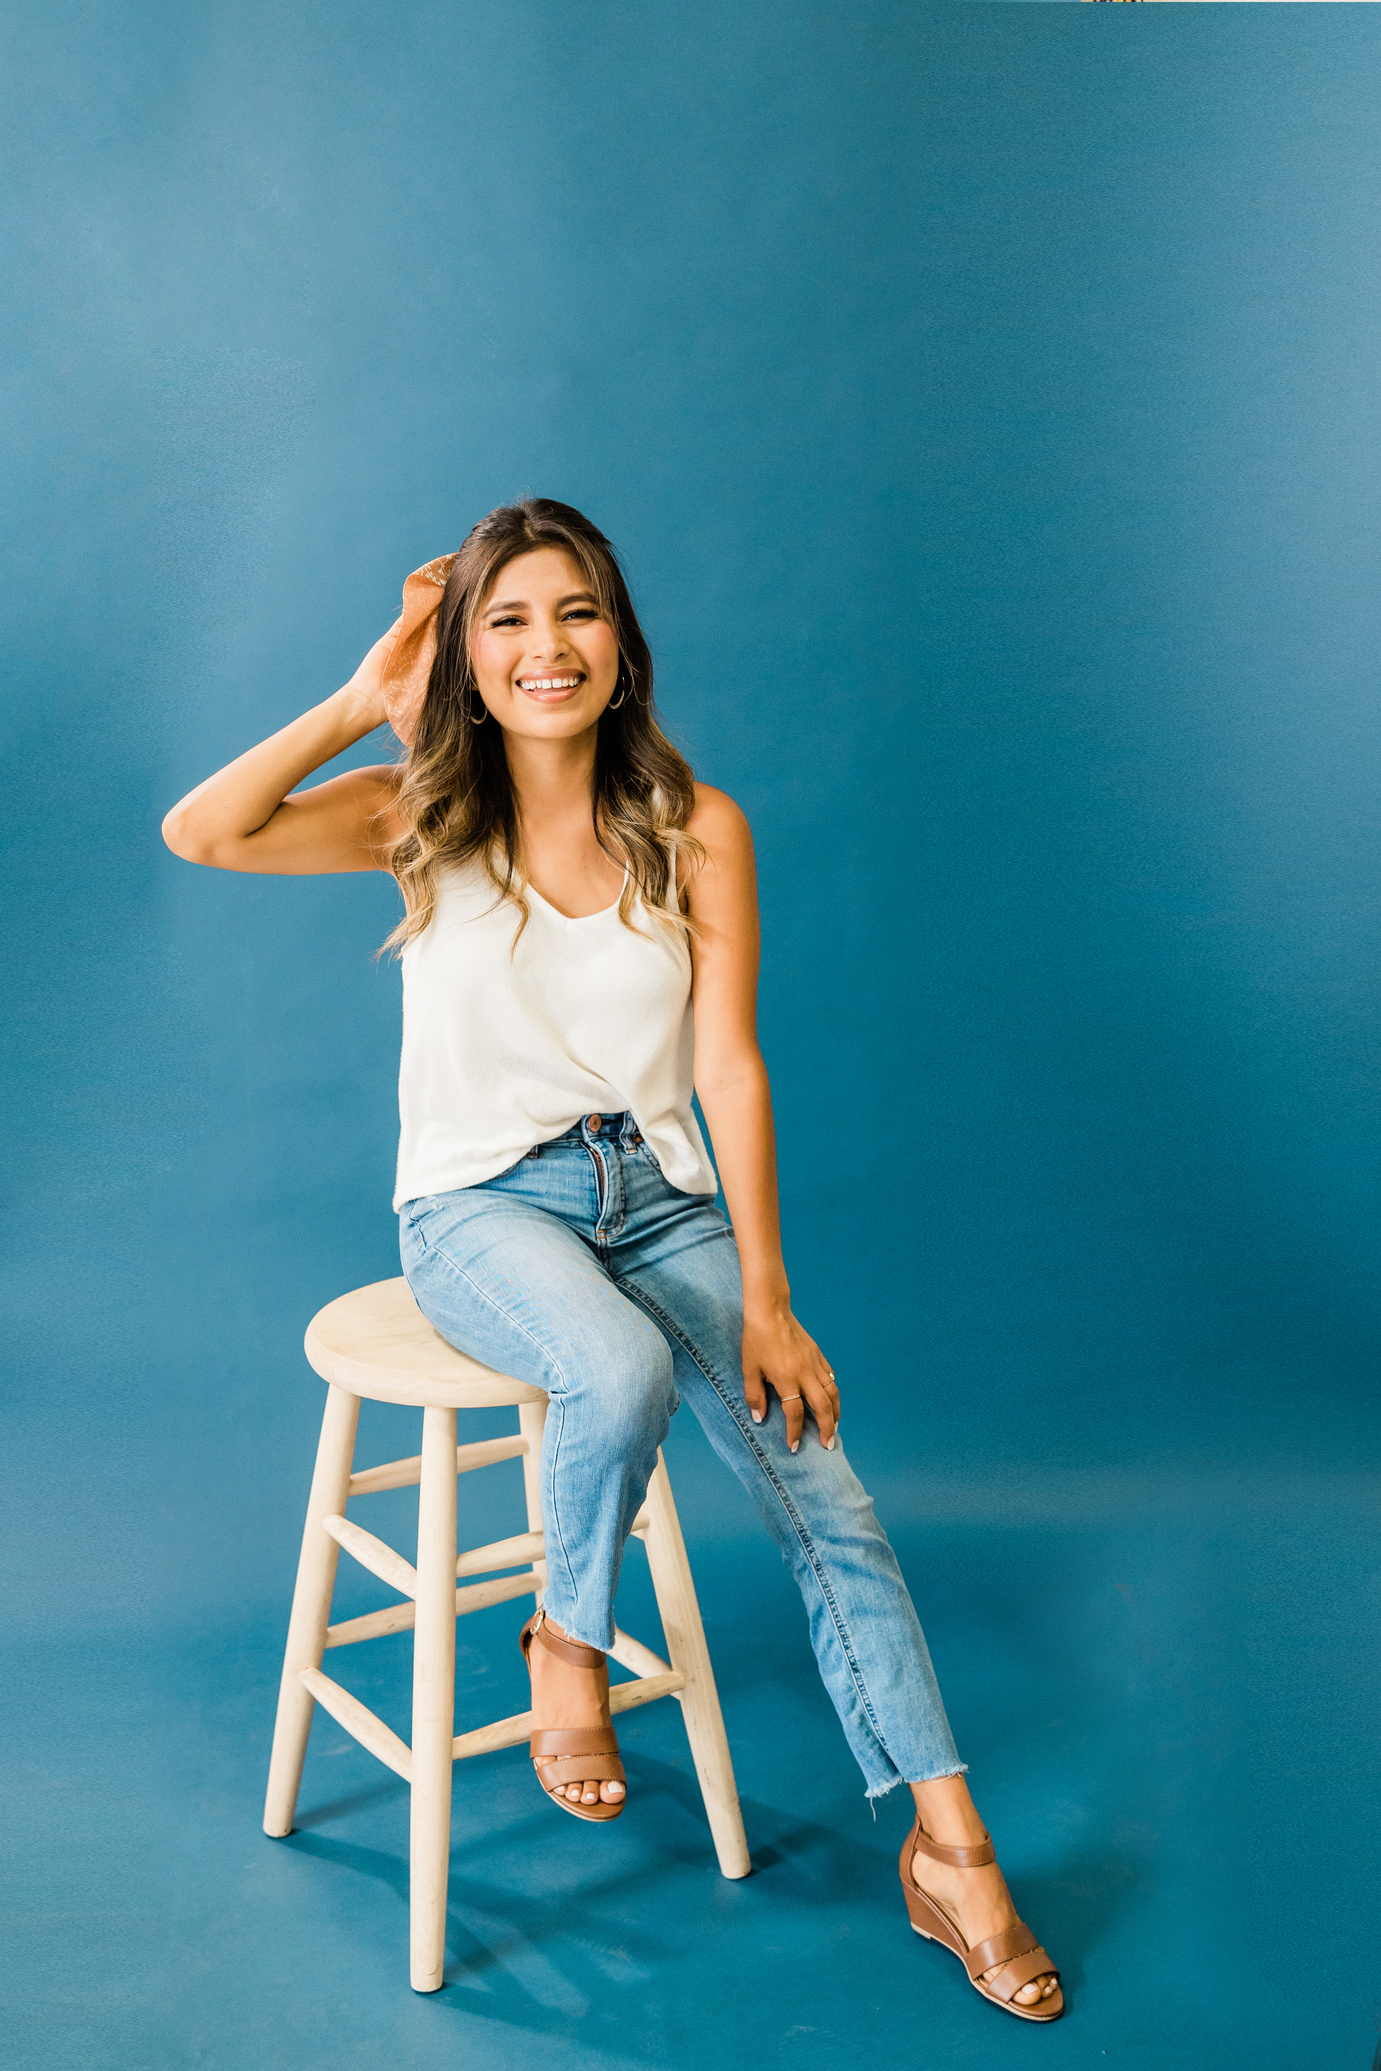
456	795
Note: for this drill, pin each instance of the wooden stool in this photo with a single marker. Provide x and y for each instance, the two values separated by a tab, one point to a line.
376	1343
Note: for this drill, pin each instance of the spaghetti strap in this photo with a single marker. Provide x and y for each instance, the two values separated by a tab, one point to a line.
673	887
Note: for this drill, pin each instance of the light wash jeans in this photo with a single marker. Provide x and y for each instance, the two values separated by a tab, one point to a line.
581	1271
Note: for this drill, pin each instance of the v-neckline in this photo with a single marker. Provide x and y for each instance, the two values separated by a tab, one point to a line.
574	920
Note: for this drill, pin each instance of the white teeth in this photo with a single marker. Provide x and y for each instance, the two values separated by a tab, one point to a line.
548	682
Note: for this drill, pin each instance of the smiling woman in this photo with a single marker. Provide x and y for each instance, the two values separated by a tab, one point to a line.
553	652
580	956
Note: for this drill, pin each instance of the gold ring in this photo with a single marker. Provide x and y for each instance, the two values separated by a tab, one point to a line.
788	1398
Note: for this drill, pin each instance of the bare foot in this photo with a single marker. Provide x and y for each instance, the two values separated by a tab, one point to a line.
977	1900
564	1695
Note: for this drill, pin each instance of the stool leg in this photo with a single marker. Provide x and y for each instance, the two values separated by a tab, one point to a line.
311	1611
433	1697
532	1420
687	1652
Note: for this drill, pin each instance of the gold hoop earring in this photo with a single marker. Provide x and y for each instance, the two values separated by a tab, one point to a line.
484	712
614	703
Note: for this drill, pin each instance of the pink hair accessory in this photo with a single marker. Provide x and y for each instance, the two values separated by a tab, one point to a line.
408	663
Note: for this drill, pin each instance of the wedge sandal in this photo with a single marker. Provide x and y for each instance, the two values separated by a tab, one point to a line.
1016	1949
572	1754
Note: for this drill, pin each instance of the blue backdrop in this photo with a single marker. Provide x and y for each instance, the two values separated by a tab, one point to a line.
989	410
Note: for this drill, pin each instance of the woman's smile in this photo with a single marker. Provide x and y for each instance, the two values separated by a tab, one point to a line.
552	688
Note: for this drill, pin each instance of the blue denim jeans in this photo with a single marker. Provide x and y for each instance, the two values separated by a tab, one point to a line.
581	1271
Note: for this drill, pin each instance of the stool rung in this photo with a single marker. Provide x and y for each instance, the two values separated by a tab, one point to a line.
373	1626
402	1617
508	1732
371	1732
405	1474
501	1553
372	1553
360	1723
633	1655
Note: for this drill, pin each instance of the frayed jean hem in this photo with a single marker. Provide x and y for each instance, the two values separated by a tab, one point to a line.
880	1790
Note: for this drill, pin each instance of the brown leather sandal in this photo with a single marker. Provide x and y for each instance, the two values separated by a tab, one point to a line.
572	1754
1021	1956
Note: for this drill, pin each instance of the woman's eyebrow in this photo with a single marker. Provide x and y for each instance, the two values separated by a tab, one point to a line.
521	603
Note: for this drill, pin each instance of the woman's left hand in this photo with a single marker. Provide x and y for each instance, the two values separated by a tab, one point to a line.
778	1354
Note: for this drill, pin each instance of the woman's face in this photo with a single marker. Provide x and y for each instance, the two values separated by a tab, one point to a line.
545	662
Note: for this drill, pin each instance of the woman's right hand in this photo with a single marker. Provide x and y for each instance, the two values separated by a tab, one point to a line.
366	686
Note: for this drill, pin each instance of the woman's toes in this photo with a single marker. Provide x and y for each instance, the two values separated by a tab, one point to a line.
611	1792
1028	1995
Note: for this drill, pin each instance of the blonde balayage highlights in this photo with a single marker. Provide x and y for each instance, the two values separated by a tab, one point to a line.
456	798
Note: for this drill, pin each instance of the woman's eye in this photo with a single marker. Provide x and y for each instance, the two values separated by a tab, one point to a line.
582	611
498	624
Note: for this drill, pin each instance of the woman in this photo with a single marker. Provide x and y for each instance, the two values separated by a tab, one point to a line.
580	926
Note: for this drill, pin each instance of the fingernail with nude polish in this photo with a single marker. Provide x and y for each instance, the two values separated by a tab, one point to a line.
797	1447
830	1447
757	1416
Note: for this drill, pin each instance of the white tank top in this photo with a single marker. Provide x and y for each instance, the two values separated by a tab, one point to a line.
507	1047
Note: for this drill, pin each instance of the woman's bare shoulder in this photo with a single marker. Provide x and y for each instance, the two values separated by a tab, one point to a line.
717	821
379	795
382	779
362	800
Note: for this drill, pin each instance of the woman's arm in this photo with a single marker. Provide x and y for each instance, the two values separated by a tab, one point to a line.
243	818
731	1080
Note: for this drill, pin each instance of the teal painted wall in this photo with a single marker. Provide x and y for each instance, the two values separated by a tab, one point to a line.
989	409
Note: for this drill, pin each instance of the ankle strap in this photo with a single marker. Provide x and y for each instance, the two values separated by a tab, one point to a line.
574	1651
957	1858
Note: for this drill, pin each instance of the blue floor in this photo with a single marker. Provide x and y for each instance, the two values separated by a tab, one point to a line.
1165	1692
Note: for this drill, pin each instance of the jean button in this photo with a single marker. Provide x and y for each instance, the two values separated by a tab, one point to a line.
594	1124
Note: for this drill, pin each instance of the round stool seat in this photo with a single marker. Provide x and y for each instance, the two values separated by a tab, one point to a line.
376	1342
